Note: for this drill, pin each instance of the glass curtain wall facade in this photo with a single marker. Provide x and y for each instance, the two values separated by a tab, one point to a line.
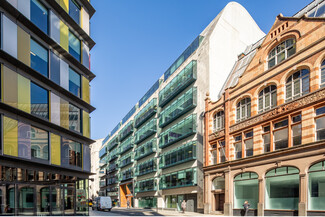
45	75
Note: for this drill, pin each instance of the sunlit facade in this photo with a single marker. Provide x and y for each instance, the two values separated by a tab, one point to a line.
45	107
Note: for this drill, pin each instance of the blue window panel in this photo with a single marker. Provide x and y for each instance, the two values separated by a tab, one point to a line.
39	15
39	101
55	68
74	11
74	82
54	27
74	46
39	58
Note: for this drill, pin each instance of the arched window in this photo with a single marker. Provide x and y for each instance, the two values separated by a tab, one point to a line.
219	121
267	98
297	85
218	183
246	188
282	188
322	74
243	109
282	52
316	186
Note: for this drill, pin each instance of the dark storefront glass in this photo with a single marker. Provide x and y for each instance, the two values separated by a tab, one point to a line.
7	199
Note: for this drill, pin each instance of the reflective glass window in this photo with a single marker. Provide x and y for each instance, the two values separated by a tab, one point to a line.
74	118
39	101
39	58
74	11
55	68
74	46
39	143
74	82
39	15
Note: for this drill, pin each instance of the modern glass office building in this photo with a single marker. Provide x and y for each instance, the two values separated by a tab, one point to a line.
45	107
154	156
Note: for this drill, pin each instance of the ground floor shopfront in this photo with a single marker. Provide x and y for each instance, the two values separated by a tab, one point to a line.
126	194
287	182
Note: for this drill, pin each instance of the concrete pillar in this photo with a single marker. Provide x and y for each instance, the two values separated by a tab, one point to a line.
228	194
207	194
260	205
302	207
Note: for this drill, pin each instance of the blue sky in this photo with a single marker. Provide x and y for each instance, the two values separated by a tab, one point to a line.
137	40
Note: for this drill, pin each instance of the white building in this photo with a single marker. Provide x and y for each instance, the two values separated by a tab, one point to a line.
94	179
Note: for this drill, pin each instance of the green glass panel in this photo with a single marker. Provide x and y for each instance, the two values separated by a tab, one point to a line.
246	190
316	167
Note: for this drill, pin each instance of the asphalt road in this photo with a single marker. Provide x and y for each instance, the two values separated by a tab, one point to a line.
125	212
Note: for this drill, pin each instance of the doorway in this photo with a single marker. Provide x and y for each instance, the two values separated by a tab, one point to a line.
180	199
219	202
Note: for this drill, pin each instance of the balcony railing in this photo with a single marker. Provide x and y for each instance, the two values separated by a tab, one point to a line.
146	167
180	106
146	149
112	155
186	77
145	185
179	155
125	174
126	145
147	112
112	167
126	160
179	179
178	131
126	131
111	180
145	131
112	143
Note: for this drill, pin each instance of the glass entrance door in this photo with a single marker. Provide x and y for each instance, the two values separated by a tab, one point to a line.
180	199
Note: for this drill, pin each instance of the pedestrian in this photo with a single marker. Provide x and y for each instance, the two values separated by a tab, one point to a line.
246	206
183	206
127	204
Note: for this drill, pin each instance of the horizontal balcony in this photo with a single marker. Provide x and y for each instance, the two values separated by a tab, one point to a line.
179	179
180	106
126	131
186	77
178	156
146	131
147	112
178	131
112	181
112	143
126	160
126	145
146	167
112	155
125	175
146	149
112	167
146	185
102	152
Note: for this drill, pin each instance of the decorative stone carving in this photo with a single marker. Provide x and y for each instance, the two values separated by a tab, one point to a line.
280	110
216	135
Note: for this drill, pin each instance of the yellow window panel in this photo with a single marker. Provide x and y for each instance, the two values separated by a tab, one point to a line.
64	36
10	87
85	124
23	45
55	149
23	93
65	5
10	136
85	90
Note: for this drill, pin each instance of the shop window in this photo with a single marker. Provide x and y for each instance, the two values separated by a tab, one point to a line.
218	121
266	139
267	98
74	46
320	123
74	118
281	52
39	101
280	134
74	82
74	11
26	201
316	186
39	143
282	188
39	15
246	188
238	147
248	141
243	109
297	85
39	58
322	74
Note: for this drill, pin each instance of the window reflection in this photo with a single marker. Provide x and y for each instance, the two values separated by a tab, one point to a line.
39	143
39	15
38	58
74	82
74	118
74	46
39	101
74	11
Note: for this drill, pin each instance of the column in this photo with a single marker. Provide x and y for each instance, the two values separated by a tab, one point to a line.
228	194
302	206
260	205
